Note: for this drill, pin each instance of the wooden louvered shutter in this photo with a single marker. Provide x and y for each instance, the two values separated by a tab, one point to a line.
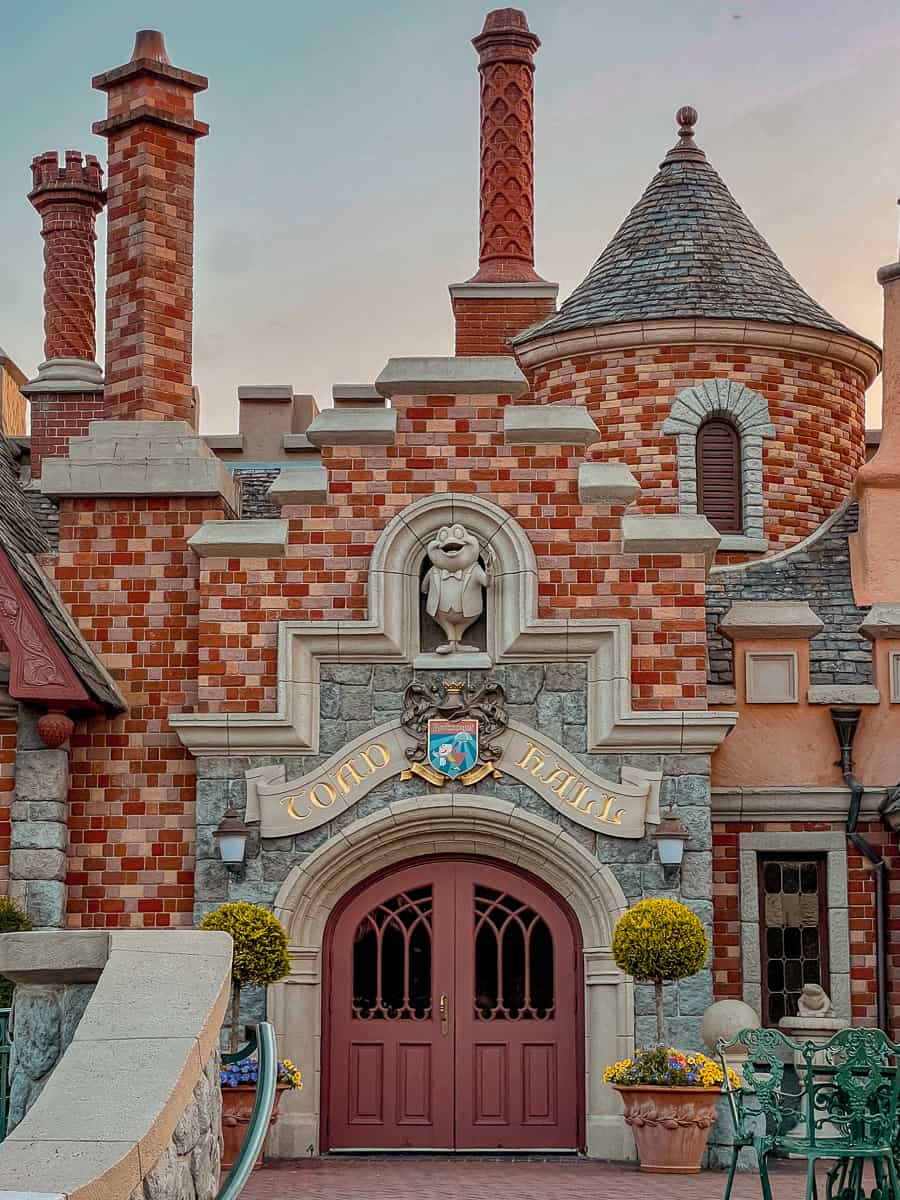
719	475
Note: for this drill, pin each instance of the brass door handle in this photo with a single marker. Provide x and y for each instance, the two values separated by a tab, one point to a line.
444	1010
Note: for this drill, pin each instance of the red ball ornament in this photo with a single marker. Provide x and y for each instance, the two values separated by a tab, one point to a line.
55	729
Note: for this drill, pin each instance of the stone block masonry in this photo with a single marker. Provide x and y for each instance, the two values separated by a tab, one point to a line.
551	698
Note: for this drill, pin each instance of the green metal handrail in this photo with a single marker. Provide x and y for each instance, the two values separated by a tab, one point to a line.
5	1048
263	1041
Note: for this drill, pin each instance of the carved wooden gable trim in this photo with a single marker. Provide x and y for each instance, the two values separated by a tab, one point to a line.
38	669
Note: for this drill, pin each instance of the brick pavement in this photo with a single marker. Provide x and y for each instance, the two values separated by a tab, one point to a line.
399	1178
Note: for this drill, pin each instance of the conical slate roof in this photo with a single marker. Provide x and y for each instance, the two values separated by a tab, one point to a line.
686	249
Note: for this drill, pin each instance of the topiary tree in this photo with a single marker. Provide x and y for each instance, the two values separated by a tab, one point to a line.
12	920
260	950
659	941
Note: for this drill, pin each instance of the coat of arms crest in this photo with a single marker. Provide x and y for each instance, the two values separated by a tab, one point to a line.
453	729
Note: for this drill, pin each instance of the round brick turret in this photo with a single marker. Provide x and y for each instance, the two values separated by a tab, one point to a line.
689	314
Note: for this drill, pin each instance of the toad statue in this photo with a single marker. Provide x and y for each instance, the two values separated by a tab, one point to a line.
454	584
814	1002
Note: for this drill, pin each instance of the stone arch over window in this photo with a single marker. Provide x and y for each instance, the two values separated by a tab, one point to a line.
748	412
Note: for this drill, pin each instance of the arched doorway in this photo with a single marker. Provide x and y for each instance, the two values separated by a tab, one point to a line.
453	1019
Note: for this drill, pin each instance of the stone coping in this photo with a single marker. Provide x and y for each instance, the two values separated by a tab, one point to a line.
504	291
882	621
790	804
282	393
139	458
299	485
264	537
58	375
669	534
478	375
760	620
356	395
548	424
115	1097
606	483
680	331
843	693
354	427
54	955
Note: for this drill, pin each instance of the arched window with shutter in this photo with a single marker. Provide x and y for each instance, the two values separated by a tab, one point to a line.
719	475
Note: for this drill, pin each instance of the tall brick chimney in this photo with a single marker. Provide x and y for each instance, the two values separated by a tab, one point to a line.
151	130
506	294
68	390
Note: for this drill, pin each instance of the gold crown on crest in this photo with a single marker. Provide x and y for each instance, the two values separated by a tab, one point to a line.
453	685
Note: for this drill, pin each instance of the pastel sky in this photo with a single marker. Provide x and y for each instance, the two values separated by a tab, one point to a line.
337	192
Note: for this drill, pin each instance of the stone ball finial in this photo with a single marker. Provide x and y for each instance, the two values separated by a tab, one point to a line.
687	118
149	43
723	1019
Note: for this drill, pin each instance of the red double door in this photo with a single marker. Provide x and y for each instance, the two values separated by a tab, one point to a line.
453	1014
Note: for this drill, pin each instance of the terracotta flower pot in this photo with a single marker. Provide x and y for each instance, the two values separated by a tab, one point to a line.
237	1105
670	1125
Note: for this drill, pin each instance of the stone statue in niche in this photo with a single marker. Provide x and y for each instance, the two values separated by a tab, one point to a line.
454	585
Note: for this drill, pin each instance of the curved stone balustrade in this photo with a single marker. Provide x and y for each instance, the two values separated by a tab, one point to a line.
132	1109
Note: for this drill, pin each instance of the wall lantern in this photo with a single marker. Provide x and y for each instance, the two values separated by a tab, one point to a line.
231	839
671	834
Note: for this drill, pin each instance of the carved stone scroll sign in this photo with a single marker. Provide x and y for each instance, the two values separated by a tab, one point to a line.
454	739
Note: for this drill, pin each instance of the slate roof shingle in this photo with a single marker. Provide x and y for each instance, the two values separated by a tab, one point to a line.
687	249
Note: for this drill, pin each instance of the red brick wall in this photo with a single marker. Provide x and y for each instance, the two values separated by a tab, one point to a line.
454	445
130	581
55	418
727	972
484	326
816	406
7	783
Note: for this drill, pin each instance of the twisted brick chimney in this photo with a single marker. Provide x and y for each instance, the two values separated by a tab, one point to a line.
151	130
506	294
68	390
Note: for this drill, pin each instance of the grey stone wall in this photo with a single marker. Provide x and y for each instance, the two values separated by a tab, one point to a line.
253	483
549	698
44	1019
188	1168
37	860
819	575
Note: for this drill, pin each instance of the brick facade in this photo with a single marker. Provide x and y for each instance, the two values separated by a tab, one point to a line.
727	966
817	407
130	580
58	417
454	445
485	326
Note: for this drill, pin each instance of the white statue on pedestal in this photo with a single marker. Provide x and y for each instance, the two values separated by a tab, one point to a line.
455	584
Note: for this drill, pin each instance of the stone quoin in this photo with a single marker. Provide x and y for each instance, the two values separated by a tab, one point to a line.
455	646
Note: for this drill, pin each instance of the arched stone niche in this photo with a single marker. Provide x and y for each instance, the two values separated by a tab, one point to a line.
515	633
451	824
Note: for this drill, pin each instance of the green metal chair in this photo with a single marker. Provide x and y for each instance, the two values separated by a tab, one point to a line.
839	1102
262	1040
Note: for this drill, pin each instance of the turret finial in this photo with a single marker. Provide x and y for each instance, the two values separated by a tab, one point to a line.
686	148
